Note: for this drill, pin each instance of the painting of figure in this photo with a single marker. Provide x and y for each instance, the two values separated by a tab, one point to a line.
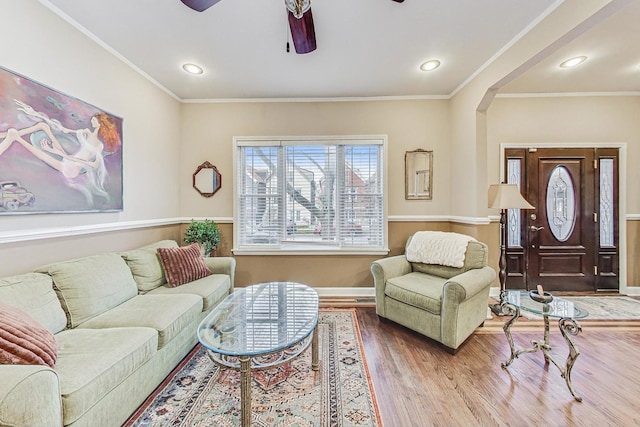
58	154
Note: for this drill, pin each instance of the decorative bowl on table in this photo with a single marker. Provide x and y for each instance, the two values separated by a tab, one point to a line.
544	298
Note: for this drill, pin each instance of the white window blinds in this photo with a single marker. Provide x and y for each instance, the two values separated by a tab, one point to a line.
321	194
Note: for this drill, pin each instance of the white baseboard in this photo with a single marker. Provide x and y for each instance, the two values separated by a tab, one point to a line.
346	292
631	291
330	292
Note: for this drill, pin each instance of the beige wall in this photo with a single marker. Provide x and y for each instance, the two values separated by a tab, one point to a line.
164	141
633	254
467	106
26	256
207	134
341	271
320	271
39	45
559	121
568	120
208	131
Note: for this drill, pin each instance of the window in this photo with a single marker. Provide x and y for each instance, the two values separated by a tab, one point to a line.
310	194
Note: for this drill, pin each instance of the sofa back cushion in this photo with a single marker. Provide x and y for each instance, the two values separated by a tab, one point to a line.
476	256
145	265
34	294
89	286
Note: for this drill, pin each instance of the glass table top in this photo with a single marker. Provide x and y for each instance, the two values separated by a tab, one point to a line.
260	319
557	308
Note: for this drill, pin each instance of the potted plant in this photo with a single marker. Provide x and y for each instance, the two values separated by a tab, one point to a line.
206	233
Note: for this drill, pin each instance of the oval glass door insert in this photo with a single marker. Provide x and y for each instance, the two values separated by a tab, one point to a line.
561	203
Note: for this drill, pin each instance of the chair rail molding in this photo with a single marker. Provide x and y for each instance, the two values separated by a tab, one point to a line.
78	230
15	236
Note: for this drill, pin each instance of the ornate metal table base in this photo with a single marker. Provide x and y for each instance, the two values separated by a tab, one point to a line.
498	308
567	327
263	361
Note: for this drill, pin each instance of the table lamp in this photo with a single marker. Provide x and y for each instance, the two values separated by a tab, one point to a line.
504	197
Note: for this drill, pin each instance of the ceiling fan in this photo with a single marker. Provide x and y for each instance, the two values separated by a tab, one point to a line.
300	21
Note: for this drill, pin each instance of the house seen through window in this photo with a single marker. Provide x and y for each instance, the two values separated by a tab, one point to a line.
318	194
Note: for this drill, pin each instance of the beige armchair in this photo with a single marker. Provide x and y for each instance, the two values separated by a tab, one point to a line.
444	303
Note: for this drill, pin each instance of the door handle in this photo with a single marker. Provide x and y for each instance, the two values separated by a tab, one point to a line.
534	228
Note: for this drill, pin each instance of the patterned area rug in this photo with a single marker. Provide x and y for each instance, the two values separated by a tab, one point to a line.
603	308
340	394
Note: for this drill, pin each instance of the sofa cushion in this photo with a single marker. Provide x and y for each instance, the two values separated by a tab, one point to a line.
417	289
476	256
182	265
92	362
145	265
24	341
167	314
212	289
33	293
91	285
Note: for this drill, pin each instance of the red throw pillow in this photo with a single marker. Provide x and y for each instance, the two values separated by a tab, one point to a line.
23	340
183	265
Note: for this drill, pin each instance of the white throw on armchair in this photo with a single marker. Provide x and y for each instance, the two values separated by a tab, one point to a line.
444	302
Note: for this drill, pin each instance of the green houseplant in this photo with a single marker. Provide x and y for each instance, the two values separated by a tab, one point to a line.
206	233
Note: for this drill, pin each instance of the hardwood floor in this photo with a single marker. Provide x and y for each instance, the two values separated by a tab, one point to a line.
418	383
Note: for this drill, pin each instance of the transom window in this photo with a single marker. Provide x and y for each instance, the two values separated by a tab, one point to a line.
310	194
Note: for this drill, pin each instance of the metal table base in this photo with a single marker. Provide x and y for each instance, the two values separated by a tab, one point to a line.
567	327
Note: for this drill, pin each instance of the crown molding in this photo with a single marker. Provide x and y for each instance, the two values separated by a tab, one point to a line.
317	100
567	94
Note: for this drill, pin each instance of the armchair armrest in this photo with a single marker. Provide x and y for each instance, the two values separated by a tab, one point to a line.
29	396
466	285
222	265
465	299
385	269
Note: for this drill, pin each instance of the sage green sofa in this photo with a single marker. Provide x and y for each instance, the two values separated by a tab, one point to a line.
441	302
120	330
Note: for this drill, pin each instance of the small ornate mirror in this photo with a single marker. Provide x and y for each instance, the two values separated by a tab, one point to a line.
207	180
418	169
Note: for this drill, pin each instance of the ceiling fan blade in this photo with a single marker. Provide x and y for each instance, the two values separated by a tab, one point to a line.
303	32
199	5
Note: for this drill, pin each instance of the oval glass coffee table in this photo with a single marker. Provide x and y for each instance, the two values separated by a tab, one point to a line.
259	327
566	311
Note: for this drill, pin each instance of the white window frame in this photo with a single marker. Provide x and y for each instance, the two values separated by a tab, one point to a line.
307	248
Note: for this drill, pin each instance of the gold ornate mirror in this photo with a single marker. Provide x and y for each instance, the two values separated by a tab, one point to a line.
207	180
418	169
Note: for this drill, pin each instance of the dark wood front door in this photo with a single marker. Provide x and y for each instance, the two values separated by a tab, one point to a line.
569	242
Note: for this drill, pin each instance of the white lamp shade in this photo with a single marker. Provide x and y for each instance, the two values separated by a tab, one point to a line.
507	196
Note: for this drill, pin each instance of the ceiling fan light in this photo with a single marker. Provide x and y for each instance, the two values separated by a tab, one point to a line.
298	7
192	68
573	62
430	65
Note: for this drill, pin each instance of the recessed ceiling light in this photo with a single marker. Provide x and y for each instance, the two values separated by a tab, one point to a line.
192	69
430	65
573	62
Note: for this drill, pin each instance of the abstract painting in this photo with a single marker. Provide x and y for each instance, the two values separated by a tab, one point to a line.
58	154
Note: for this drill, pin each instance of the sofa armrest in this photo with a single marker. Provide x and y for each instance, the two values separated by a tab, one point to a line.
466	285
223	265
383	270
29	396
